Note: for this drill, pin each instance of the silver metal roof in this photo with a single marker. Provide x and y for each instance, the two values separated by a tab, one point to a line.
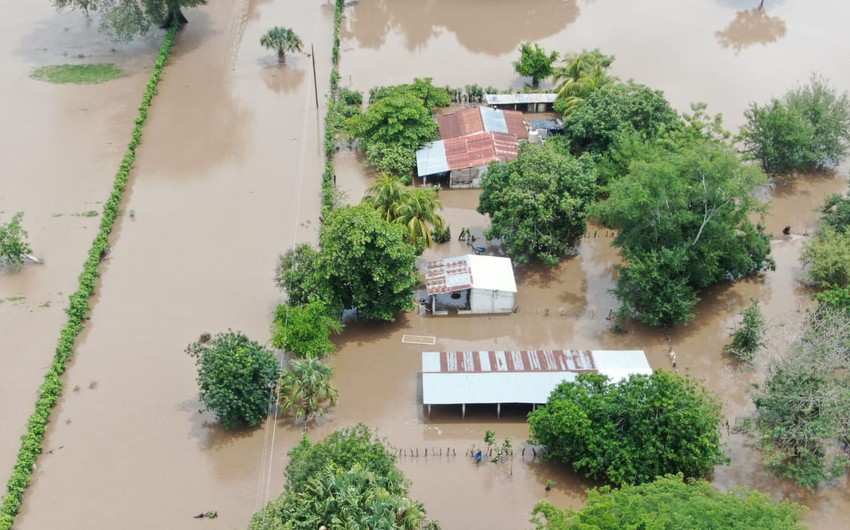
513	99
432	159
527	376
494	120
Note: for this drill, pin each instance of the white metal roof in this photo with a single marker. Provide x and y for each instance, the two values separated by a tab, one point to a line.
517	376
432	159
512	99
492	273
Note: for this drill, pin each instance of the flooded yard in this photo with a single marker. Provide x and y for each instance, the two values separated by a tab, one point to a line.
228	176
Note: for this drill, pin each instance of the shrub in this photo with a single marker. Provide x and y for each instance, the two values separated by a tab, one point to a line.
13	241
748	337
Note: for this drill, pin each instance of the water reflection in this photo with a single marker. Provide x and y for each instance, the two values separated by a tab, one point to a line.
420	21
749	27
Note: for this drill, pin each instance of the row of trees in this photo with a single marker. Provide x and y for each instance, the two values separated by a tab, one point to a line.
348	480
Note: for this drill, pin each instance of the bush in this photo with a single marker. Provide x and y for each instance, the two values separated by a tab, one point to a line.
748	337
51	389
632	431
441	234
827	259
236	377
13	241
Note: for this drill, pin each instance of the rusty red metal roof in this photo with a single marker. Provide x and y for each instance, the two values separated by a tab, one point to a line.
480	149
516	125
461	123
516	361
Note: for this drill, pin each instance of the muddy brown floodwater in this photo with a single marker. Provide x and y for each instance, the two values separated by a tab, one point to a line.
228	176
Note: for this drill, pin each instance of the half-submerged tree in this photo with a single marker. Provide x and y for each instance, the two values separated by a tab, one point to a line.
128	18
534	62
13	241
672	502
748	335
305	389
282	41
413	208
236	377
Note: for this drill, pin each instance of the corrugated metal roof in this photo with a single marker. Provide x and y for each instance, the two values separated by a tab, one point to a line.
513	99
431	159
494	120
460	123
526	376
515	123
447	275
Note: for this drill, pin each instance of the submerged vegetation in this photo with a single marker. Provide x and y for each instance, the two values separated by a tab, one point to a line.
14	246
83	74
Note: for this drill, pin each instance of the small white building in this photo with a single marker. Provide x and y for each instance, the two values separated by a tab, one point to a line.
519	376
471	284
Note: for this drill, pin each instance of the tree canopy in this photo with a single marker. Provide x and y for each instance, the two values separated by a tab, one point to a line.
128	18
413	208
807	129
582	75
13	241
534	62
305	330
348	480
295	273
305	389
684	217
365	263
670	502
538	203
802	406
632	431
236	377
281	40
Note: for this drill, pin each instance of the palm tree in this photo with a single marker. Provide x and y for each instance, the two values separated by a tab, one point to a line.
305	389
385	194
281	40
582	75
417	212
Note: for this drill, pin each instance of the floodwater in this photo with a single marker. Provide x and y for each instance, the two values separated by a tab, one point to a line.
228	176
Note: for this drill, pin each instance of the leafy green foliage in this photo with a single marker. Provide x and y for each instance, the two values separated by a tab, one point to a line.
582	75
632	431
838	297
801	409
534	62
827	259
397	123
413	208
671	502
51	389
281	40
13	241
836	212
365	263
295	272
305	389
304	331
615	110
128	18
235	377
684	219
748	337
85	74
538	203
348	480
808	129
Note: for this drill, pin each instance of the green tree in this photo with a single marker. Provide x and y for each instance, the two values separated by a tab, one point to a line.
128	18
236	377
605	115
826	258
836	212
534	62
748	336
670	502
13	241
582	75
281	40
384	195
392	129
538	203
802	407
422	88
348	480
305	389
632	431
295	273
808	129
366	263
414	208
304	331
684	215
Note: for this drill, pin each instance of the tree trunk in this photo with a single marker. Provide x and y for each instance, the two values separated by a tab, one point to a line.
281	56
175	14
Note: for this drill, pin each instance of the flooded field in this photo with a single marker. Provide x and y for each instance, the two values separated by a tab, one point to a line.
228	177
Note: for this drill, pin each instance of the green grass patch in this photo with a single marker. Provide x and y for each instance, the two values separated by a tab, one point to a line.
80	74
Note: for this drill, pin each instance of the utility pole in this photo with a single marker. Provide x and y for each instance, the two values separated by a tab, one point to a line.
315	83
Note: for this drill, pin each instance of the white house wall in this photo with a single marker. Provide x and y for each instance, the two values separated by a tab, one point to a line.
488	301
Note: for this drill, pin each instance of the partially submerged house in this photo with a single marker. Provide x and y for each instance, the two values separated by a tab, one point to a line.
470	140
532	102
470	284
520	376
